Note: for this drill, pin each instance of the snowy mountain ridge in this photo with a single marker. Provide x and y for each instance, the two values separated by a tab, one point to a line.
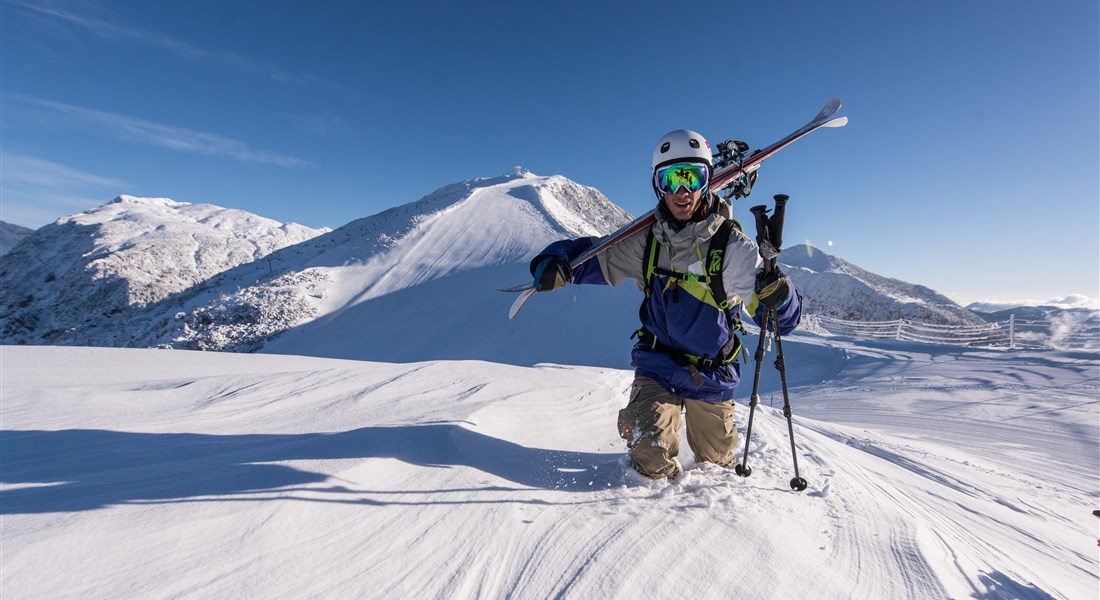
155	272
79	273
239	304
11	235
834	287
453	230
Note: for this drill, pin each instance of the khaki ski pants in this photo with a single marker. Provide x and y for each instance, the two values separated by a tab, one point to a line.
650	424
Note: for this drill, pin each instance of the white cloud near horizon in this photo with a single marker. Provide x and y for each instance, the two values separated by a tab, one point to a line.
36	191
23	169
1070	301
117	33
141	131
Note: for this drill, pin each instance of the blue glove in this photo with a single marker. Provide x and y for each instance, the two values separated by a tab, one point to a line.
550	273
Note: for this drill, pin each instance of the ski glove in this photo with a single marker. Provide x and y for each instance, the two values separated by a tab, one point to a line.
773	289
550	273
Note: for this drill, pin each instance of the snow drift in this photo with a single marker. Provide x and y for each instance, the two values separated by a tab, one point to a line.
933	472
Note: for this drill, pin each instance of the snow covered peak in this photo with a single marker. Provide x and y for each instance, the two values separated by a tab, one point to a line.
471	224
147	271
834	287
125	199
151	213
456	229
130	252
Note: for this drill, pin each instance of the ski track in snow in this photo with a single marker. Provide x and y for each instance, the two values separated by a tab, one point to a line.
933	473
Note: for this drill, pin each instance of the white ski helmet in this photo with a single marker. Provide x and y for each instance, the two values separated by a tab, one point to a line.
682	145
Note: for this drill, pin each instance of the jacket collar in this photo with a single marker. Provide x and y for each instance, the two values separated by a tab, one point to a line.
686	234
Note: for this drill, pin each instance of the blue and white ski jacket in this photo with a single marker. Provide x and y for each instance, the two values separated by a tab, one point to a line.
688	318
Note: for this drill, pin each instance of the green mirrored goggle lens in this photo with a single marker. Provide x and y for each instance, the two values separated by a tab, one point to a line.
690	176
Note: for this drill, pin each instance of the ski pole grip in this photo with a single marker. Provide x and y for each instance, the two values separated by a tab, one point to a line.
775	230
763	239
762	233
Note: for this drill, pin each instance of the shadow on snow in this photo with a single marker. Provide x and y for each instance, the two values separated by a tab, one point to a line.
74	470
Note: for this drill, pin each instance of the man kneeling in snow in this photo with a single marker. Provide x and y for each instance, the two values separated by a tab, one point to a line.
685	360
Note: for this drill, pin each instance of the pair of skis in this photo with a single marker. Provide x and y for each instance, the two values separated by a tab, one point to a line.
724	176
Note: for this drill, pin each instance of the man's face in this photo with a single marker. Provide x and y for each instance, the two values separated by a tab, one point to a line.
683	204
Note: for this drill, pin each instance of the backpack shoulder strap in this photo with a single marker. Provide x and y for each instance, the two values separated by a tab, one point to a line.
716	254
649	259
649	263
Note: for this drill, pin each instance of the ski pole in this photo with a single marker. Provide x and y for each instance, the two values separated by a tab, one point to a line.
797	483
775	232
769	237
742	468
762	236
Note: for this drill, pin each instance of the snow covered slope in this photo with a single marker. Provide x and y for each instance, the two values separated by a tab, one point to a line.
933	473
836	288
11	235
412	283
457	229
463	317
80	279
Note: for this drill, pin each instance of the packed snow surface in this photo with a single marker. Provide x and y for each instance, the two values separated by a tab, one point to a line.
933	472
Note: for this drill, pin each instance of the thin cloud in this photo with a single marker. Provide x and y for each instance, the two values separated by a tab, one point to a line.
36	191
28	170
141	131
1070	301
117	33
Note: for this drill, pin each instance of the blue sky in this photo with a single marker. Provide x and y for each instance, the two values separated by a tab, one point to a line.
971	163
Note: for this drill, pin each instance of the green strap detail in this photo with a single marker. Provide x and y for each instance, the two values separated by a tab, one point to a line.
703	361
714	261
682	276
651	262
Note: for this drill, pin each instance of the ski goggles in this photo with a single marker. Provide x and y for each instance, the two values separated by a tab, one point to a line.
690	176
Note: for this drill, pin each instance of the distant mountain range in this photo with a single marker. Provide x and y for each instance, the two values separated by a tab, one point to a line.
415	282
10	235
834	287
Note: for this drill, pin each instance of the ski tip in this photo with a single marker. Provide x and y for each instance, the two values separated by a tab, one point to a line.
837	122
519	302
829	109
